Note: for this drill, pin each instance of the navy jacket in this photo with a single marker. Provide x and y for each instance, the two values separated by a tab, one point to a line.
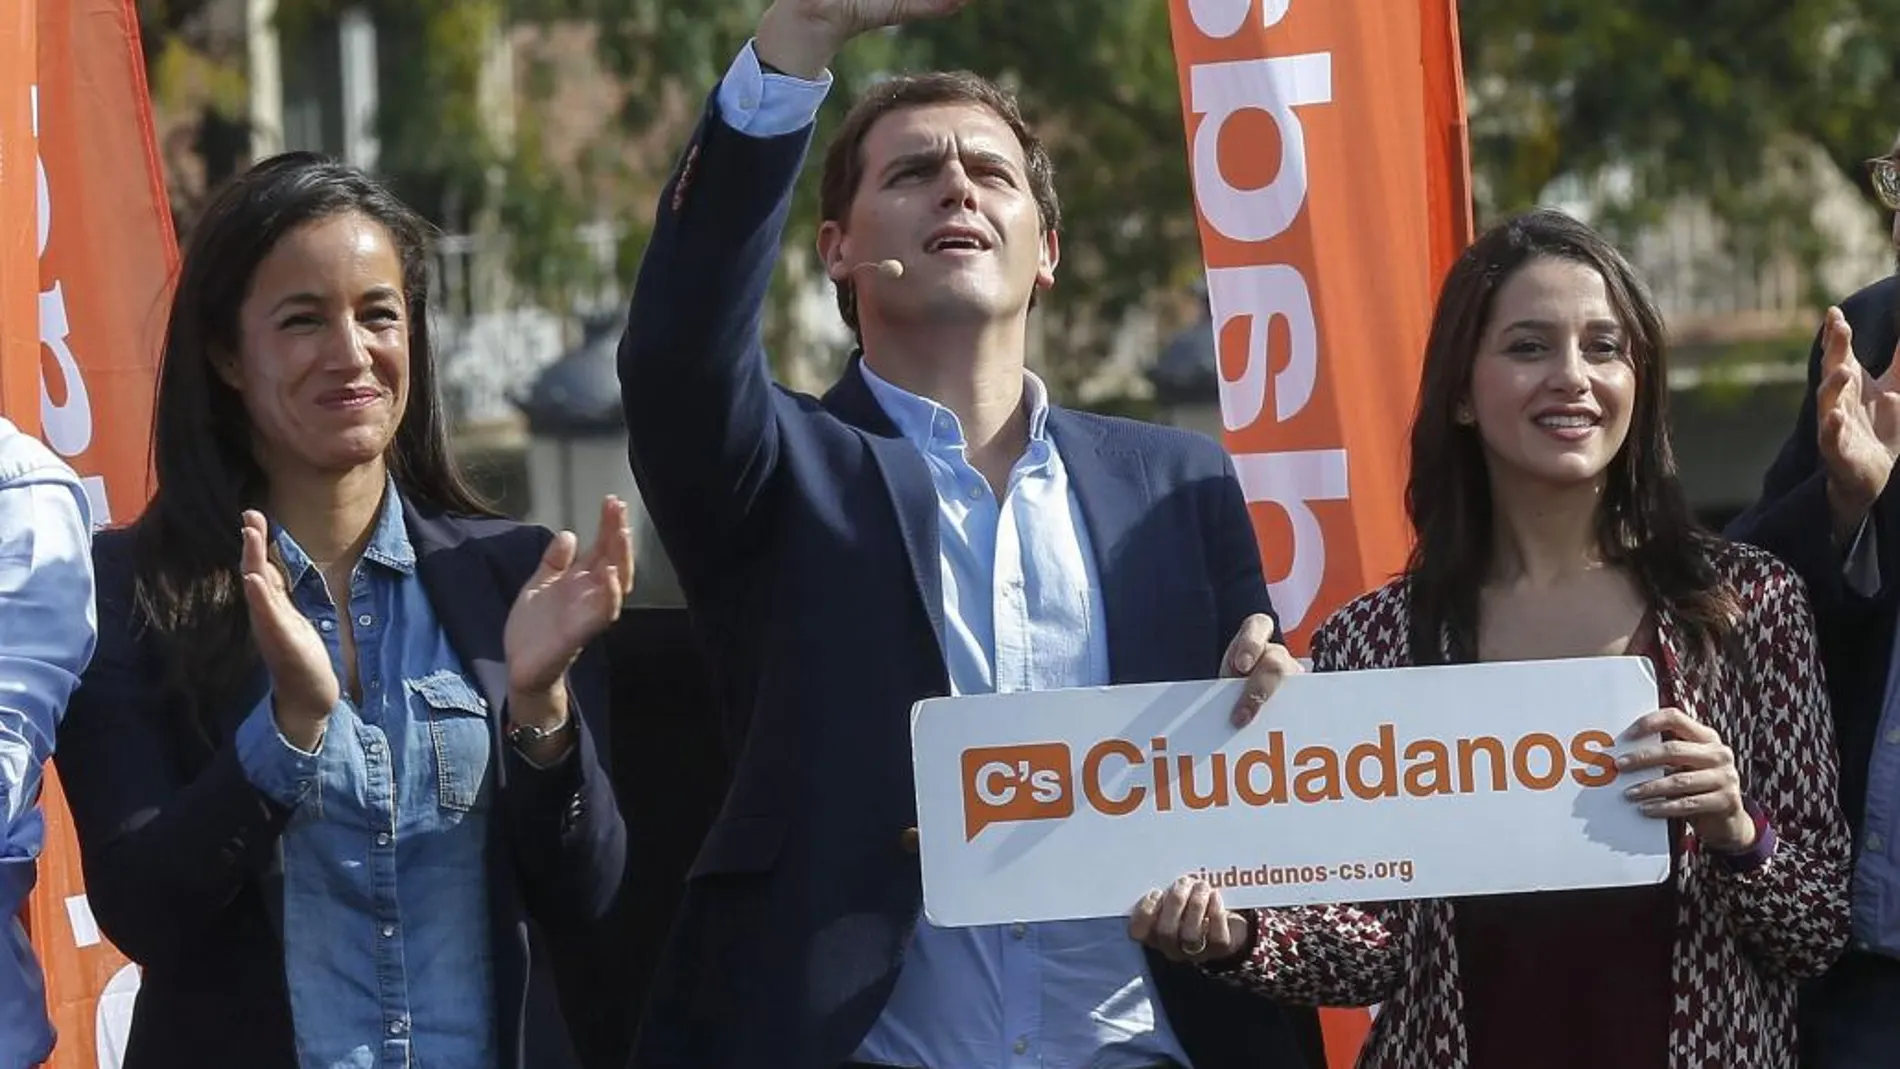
804	533
182	856
1791	521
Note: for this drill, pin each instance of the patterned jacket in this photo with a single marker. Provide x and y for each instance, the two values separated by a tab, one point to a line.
1742	939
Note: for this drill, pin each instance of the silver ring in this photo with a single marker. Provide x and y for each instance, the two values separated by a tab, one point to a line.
1199	947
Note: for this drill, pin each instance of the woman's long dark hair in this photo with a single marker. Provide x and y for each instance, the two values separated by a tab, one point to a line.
1644	523
187	538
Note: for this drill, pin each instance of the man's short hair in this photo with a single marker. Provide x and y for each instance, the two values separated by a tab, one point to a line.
844	159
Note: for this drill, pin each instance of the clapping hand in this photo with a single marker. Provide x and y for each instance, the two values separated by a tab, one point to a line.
304	686
1859	426
567	602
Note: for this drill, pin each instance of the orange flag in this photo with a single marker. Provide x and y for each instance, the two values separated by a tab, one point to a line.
19	266
1326	139
86	256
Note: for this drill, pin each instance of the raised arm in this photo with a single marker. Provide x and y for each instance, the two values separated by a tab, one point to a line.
702	412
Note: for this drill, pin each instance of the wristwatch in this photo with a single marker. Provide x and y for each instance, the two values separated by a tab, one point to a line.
521	736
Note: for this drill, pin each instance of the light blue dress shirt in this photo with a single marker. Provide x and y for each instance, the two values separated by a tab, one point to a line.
48	627
387	945
761	104
1022	611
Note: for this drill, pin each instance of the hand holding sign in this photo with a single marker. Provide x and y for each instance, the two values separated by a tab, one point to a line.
1254	654
1702	785
1188	923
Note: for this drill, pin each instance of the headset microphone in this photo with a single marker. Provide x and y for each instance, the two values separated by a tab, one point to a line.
890	269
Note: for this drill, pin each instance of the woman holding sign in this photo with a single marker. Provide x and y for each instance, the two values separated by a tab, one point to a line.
330	758
1549	524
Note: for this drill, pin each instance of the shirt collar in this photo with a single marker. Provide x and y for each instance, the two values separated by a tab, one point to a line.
929	425
389	544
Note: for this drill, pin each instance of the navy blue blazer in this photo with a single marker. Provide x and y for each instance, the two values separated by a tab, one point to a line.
182	856
804	533
1791	520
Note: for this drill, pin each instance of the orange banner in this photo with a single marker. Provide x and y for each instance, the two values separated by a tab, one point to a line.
1326	139
19	265
101	235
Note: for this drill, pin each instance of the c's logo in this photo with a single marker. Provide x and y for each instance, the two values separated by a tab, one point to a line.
1010	783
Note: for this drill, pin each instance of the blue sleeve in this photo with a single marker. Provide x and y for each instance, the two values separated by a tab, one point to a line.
763	104
282	771
48	628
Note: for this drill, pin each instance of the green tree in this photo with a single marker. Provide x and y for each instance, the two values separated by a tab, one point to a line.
468	161
1719	100
1097	79
197	79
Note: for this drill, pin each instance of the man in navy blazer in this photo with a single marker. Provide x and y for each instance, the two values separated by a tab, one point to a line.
931	526
1831	509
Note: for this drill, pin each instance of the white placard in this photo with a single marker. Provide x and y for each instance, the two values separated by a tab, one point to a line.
1348	787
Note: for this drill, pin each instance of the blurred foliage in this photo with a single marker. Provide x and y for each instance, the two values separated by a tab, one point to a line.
469	155
1720	100
198	80
466	152
1686	92
1096	79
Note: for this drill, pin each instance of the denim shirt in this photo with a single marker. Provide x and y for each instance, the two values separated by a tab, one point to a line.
386	935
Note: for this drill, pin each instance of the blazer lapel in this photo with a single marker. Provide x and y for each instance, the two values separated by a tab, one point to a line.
270	882
1112	486
907	479
469	604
